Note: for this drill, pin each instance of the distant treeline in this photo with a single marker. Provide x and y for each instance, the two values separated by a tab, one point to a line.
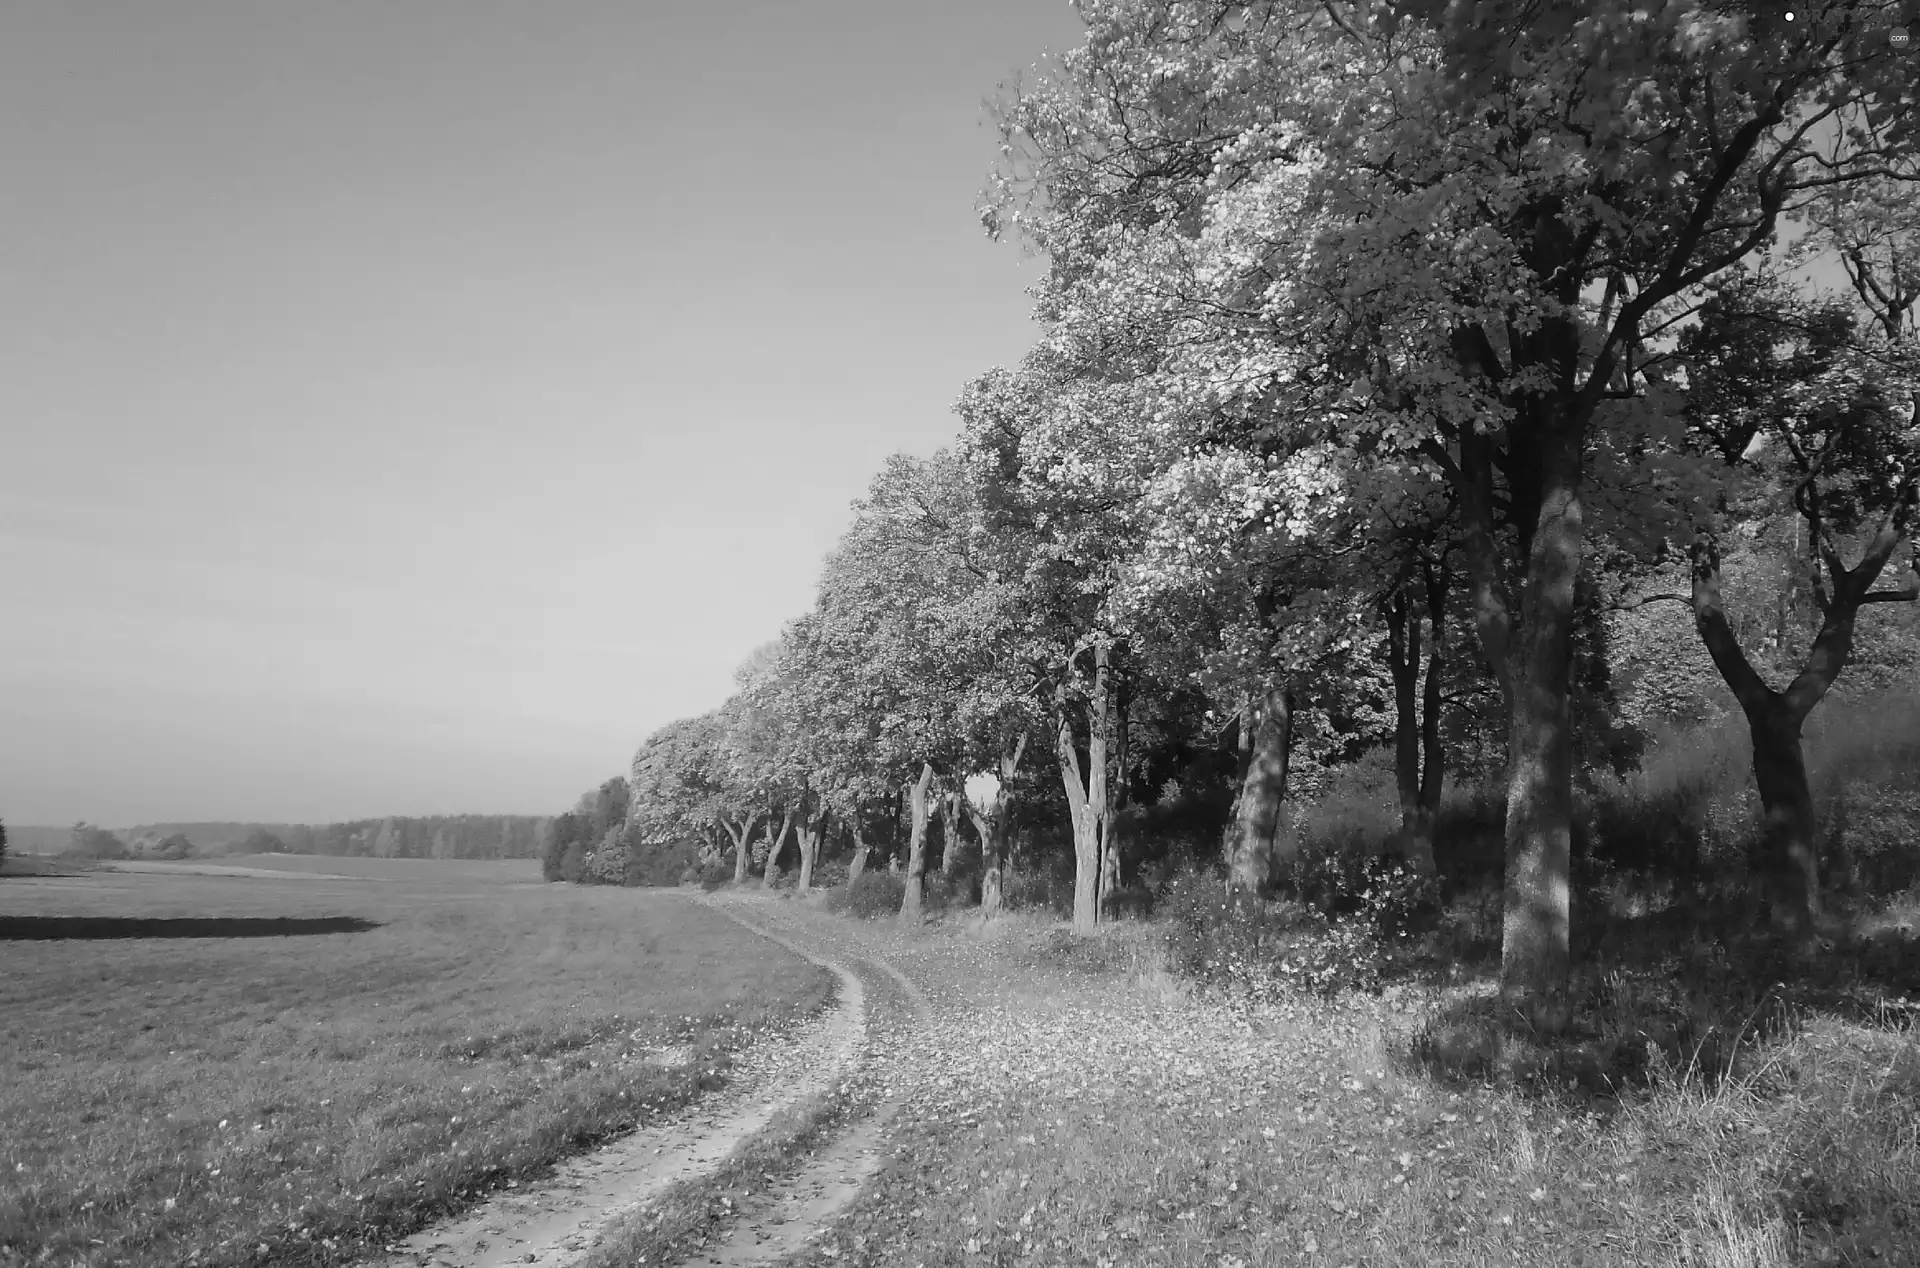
395	837
29	838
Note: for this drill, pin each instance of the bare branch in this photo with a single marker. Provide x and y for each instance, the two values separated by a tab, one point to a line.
1628	605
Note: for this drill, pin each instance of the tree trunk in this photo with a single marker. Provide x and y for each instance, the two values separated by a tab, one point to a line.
1086	838
775	844
1243	736
810	834
1433	770
1116	801
740	850
1789	865
1418	768
1532	666
1492	602
1535	952
990	821
1086	796
860	848
1244	727
1263	791
916	847
1785	605
949	832
1403	663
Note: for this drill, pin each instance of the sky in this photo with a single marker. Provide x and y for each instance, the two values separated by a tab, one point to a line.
405	409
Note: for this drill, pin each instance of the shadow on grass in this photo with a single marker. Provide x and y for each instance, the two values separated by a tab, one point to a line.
95	928
1681	994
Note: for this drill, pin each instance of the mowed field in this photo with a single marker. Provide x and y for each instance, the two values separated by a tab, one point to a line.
260	1069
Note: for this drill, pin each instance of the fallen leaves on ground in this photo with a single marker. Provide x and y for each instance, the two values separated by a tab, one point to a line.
1053	1120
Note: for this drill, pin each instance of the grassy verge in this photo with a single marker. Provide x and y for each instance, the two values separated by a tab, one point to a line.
1082	1109
303	1100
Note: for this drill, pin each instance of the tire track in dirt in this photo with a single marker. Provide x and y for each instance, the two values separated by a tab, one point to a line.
795	1209
556	1221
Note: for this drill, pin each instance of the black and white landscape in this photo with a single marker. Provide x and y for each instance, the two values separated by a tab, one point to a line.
1297	645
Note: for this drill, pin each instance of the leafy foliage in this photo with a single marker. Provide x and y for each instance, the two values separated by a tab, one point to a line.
1263	951
89	842
871	895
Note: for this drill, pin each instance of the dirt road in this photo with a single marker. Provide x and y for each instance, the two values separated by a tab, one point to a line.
559	1221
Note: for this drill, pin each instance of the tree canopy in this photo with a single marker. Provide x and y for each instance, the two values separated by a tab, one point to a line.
1388	350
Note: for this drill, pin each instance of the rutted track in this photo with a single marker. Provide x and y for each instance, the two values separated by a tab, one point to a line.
783	1218
557	1221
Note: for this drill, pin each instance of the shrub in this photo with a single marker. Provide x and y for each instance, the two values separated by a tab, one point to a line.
1357	814
607	865
966	863
1865	757
829	873
1133	901
165	849
1687	815
662	862
1341	872
89	842
1048	888
939	892
1264	949
1873	838
1470	832
260	841
1467	927
873	894
562	834
1179	830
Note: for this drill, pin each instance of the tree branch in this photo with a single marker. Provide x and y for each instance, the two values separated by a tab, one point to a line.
1628	605
1710	619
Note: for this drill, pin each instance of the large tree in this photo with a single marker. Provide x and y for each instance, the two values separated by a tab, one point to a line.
678	783
766	756
1821	421
887	638
1064	465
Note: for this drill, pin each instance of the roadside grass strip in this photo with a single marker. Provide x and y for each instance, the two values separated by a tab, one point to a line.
1050	1124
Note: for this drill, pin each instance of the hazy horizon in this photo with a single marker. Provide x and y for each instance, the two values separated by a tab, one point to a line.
412	408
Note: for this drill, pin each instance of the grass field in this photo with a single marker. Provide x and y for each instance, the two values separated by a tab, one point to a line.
174	1095
435	872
